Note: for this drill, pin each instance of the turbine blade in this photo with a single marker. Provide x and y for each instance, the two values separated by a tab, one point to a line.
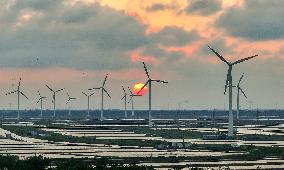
130	90
24	95
243	92
123	97
11	92
131	98
106	92
38	93
137	95
84	94
145	68
95	88
228	77
38	101
49	88
218	55
244	59
161	81
59	90
226	85
105	80
123	89
240	79
91	94
143	86
20	82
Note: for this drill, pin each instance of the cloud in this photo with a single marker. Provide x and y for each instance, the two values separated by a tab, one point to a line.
255	20
161	7
174	36
79	36
203	7
156	7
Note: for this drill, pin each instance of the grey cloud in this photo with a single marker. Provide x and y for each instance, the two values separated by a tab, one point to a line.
203	7
173	36
156	7
219	44
83	37
257	20
36	4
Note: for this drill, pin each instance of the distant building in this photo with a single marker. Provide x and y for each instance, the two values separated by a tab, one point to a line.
214	137
9	136
181	145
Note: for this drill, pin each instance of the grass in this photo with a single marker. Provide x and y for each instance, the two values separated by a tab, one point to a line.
56	137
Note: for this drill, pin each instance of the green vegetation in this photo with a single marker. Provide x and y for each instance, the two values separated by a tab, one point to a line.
250	152
56	137
40	163
258	137
167	133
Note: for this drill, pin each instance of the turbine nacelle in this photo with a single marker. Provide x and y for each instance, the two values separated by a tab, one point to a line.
70	98
102	87
230	64
239	87
124	93
88	95
18	90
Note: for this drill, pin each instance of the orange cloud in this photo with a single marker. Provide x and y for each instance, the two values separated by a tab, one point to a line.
136	57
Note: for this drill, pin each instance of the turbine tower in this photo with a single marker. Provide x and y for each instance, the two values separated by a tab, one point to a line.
69	98
54	92
125	101
88	96
18	91
103	90
132	101
40	100
149	82
238	96
229	83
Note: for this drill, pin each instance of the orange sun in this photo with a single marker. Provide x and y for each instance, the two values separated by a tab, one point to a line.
138	86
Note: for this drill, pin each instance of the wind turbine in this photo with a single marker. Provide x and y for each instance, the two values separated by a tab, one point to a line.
68	102
40	100
88	96
238	96
229	82
54	97
125	101
149	82
103	90
132	101
18	91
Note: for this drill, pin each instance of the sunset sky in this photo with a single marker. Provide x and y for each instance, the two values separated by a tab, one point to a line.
73	44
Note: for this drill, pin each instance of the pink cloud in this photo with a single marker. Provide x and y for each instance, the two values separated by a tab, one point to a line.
137	57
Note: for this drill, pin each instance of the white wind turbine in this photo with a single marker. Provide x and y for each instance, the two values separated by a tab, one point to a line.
149	83
103	90
18	91
229	82
124	97
88	96
40	100
54	92
69	99
238	96
132	101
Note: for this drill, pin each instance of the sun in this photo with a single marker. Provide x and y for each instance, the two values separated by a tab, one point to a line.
138	86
